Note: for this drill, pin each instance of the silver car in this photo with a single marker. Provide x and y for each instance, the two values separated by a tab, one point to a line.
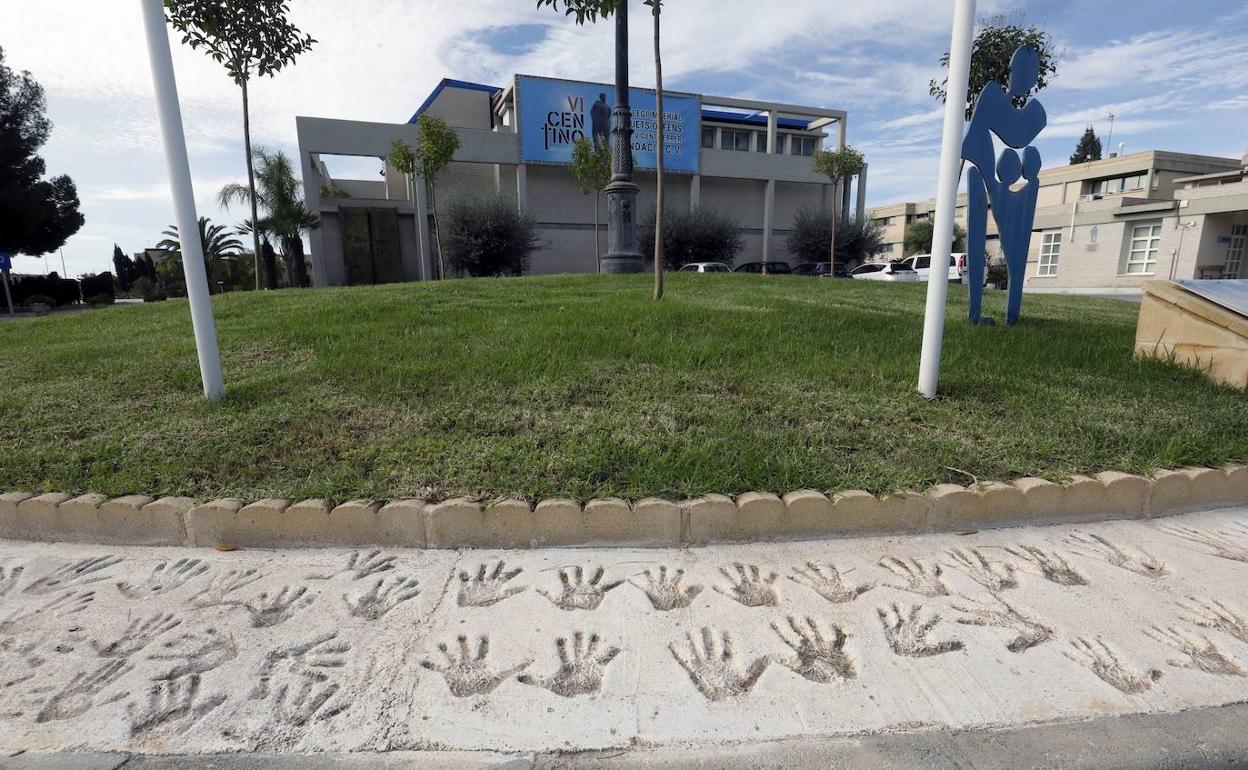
705	267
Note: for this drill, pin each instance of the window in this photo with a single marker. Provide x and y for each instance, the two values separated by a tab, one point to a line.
922	262
1050	250
1235	254
1118	184
802	145
1145	242
708	138
734	140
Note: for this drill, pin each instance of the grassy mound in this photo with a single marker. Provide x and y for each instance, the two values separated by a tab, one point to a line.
582	386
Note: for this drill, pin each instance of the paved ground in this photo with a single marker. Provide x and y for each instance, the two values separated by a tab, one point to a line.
741	655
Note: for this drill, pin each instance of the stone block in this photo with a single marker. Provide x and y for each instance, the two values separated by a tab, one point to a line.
1126	495
712	518
952	506
807	514
168	516
129	520
1084	499
307	522
215	523
353	523
1236	484
37	518
904	511
464	523
1043	500
1171	491
8	513
78	519
402	523
855	511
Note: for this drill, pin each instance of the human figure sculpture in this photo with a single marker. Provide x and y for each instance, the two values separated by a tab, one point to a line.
600	120
1009	114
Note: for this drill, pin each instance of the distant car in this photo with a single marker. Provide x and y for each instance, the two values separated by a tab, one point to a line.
921	264
705	267
962	267
773	268
821	270
885	271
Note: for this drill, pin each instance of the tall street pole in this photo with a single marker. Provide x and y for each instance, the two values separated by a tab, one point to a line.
622	255
947	194
179	167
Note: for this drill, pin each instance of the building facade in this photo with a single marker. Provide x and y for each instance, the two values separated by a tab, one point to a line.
1114	223
746	158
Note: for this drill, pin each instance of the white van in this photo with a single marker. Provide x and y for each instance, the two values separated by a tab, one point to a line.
921	264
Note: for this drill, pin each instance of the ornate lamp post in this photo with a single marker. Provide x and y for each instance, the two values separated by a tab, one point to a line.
622	254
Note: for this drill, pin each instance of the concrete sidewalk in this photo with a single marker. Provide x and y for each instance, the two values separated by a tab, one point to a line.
930	650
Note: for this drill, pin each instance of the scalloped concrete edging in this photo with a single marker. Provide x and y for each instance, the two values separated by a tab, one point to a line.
651	522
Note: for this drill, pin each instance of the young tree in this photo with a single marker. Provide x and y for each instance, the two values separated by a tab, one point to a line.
919	238
591	167
838	166
660	151
995	44
219	247
37	216
249	38
428	160
286	217
1089	148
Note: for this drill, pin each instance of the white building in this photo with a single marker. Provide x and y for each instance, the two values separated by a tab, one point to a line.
749	159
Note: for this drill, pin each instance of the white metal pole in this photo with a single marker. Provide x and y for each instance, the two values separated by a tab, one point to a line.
947	194
183	197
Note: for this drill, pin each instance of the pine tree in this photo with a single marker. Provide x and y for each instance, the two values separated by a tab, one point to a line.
1089	148
124	268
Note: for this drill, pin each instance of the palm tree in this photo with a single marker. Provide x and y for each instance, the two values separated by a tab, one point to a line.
220	248
286	217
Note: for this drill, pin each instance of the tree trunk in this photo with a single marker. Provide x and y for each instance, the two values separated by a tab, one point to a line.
437	231
251	183
597	232
270	265
659	152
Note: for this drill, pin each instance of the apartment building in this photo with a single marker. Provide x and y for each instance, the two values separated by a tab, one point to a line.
1114	223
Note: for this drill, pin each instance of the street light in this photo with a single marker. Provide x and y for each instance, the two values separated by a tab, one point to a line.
622	255
179	166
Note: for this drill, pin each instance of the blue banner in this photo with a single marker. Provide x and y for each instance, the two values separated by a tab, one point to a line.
553	114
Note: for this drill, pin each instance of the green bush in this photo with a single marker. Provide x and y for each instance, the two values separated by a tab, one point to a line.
693	235
146	289
998	275
857	240
484	235
40	299
100	300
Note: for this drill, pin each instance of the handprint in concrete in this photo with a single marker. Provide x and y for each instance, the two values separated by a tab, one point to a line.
916	578
361	565
68	603
664	589
1030	632
1052	566
468	673
165	577
488	586
577	592
749	586
1201	652
907	632
79	696
138	634
1224	544
713	668
581	666
820	653
197	653
1134	560
309	701
271	610
384	596
9	578
171	701
826	580
314	659
1103	660
79	573
1217	616
974	564
221	589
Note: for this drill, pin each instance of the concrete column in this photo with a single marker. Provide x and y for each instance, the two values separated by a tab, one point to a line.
498	179
769	215
841	130
772	122
312	199
695	191
423	249
522	187
846	191
861	206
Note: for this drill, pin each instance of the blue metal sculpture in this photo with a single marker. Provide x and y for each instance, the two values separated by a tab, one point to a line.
1016	120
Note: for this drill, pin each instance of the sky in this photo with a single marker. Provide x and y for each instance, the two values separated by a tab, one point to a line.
1173	75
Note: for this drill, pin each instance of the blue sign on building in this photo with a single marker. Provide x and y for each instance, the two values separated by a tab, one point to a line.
6	263
553	114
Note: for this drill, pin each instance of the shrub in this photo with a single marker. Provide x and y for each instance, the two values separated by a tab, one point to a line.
998	275
100	300
40	299
857	240
147	290
486	236
693	235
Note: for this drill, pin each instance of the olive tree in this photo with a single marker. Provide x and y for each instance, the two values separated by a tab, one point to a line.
838	166
428	160
591	167
995	44
250	38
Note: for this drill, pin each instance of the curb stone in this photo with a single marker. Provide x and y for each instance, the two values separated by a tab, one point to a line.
650	522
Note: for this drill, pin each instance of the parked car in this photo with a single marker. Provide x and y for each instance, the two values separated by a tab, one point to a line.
962	266
921	264
885	271
705	267
821	270
773	268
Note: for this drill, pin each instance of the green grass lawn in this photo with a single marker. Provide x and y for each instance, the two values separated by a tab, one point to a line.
582	386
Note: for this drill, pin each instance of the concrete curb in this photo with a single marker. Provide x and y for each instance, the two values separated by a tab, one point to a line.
651	522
